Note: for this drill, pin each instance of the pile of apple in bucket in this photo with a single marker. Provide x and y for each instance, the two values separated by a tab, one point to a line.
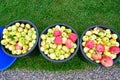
100	45
58	42
19	38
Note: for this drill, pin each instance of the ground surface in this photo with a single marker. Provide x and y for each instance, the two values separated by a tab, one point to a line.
112	73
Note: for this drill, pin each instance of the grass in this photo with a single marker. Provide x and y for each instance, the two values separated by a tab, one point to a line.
78	13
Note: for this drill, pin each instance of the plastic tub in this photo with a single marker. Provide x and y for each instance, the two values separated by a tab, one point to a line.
25	22
66	59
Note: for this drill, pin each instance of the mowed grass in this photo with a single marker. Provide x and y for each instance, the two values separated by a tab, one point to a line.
80	14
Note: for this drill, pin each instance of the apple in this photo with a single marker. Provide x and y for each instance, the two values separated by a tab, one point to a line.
108	31
66	55
100	48
50	31
88	33
58	40
72	37
63	28
64	40
57	33
17	24
93	37
27	26
101	34
105	39
114	50
83	44
22	25
86	49
114	36
17	46
69	43
52	56
62	57
89	55
57	27
90	44
106	61
85	38
96	56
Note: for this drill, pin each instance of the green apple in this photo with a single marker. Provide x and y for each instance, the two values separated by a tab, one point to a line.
107	53
42	48
89	55
46	52
31	44
105	39
68	31
43	36
114	36
34	36
85	38
57	27
17	24
86	49
22	25
24	51
72	50
14	52
113	56
64	34
63	28
9	28
57	54
18	52
59	47
88	33
117	44
93	37
97	61
64	48
52	56
108	35
61	57
20	29
4	42
50	31
28	26
83	44
51	50
74	45
14	28
66	55
107	31
101	34
91	51
64	40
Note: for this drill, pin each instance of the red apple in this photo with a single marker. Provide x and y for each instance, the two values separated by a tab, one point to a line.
100	48
17	46
96	56
57	33
114	50
106	61
90	44
58	40
69	43
72	37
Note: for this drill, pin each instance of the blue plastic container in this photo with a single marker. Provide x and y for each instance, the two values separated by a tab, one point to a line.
5	60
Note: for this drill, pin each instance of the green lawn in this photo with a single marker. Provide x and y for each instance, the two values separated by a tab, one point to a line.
78	13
